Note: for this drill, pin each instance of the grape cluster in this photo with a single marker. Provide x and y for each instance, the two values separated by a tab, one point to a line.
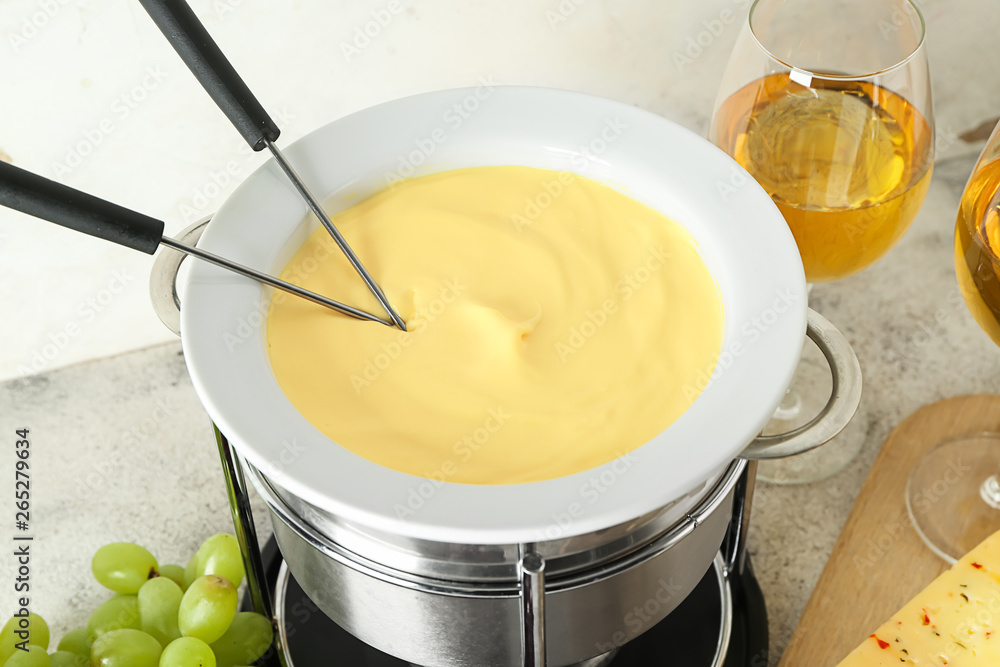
159	615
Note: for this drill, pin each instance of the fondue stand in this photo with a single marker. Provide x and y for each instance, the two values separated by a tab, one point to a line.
470	588
447	601
451	604
730	567
273	591
722	622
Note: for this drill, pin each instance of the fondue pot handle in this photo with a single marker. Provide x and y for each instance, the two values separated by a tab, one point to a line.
163	277
844	399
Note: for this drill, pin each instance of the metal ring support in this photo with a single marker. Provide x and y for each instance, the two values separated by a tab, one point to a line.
246	533
721	647
357	562
532	571
280	593
844	398
734	547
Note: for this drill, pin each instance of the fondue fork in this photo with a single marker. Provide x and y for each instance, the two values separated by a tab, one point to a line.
37	196
205	59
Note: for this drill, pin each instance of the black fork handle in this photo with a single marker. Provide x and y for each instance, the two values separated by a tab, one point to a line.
205	59
35	195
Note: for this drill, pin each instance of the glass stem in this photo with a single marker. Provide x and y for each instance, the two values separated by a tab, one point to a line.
790	406
990	491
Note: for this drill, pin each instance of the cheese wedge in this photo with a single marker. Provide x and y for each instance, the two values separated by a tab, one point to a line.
954	622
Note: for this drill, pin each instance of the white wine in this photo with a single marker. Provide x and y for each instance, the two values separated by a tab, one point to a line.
977	247
847	162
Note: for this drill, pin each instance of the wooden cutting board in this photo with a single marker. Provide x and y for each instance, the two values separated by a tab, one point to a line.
879	562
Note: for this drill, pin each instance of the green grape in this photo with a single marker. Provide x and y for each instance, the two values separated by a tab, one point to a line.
248	637
125	648
35	656
175	573
75	641
159	600
68	659
187	652
207	608
121	611
191	571
220	555
37	634
123	567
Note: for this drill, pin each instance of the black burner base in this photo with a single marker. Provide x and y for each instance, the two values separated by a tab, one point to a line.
688	636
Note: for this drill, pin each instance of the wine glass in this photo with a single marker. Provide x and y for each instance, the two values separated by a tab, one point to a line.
953	494
827	103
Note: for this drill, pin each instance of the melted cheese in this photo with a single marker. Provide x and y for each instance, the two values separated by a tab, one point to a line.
555	325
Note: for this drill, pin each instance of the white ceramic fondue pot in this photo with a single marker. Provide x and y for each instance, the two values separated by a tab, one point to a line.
433	572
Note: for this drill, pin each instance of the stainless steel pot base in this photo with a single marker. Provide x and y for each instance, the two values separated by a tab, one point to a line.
694	635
